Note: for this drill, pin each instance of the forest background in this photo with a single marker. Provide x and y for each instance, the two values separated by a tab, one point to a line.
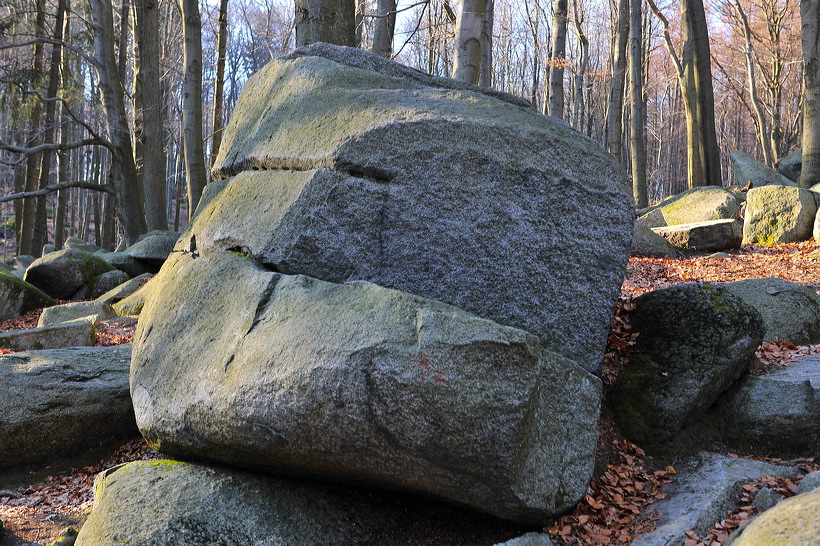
110	116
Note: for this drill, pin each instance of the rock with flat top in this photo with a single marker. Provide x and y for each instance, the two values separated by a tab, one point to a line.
708	236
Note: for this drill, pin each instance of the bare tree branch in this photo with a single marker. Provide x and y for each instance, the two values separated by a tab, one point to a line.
57	187
46	146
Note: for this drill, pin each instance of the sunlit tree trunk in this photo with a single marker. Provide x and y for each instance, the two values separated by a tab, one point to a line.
555	105
467	60
615	104
219	85
192	104
702	147
485	78
385	28
637	119
331	21
810	18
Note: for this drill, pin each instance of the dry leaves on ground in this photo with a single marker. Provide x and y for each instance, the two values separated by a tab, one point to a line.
611	512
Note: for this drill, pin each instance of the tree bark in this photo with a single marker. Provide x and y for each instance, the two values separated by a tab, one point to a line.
613	132
810	37
637	119
192	105
555	106
703	154
467	60
331	21
485	78
123	173
385	28
39	237
219	85
150	136
25	229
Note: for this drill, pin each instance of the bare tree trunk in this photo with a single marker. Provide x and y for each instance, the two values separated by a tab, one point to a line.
467	61
637	142
763	134
385	28
25	229
123	170
615	104
219	86
810	18
580	82
485	78
39	237
150	136
192	105
331	21
703	152
555	106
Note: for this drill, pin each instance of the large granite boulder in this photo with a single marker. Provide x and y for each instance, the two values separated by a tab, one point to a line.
693	342
101	284
793	521
702	204
60	274
18	297
712	235
75	243
237	364
127	263
348	167
778	214
790	311
57	402
748	169
204	505
774	413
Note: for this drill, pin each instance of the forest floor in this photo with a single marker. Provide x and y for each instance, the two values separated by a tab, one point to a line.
614	510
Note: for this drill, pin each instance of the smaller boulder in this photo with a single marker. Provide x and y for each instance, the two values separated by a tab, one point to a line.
60	274
18	297
810	482
101	284
778	214
72	311
127	263
695	205
704	236
748	169
75	243
790	311
133	303
23	261
792	521
48	248
766	498
774	413
694	341
791	165
646	242
75	333
124	290
154	247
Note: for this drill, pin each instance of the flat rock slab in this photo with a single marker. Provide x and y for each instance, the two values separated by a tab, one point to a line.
202	505
360	383
703	204
73	311
713	235
74	333
701	494
56	401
